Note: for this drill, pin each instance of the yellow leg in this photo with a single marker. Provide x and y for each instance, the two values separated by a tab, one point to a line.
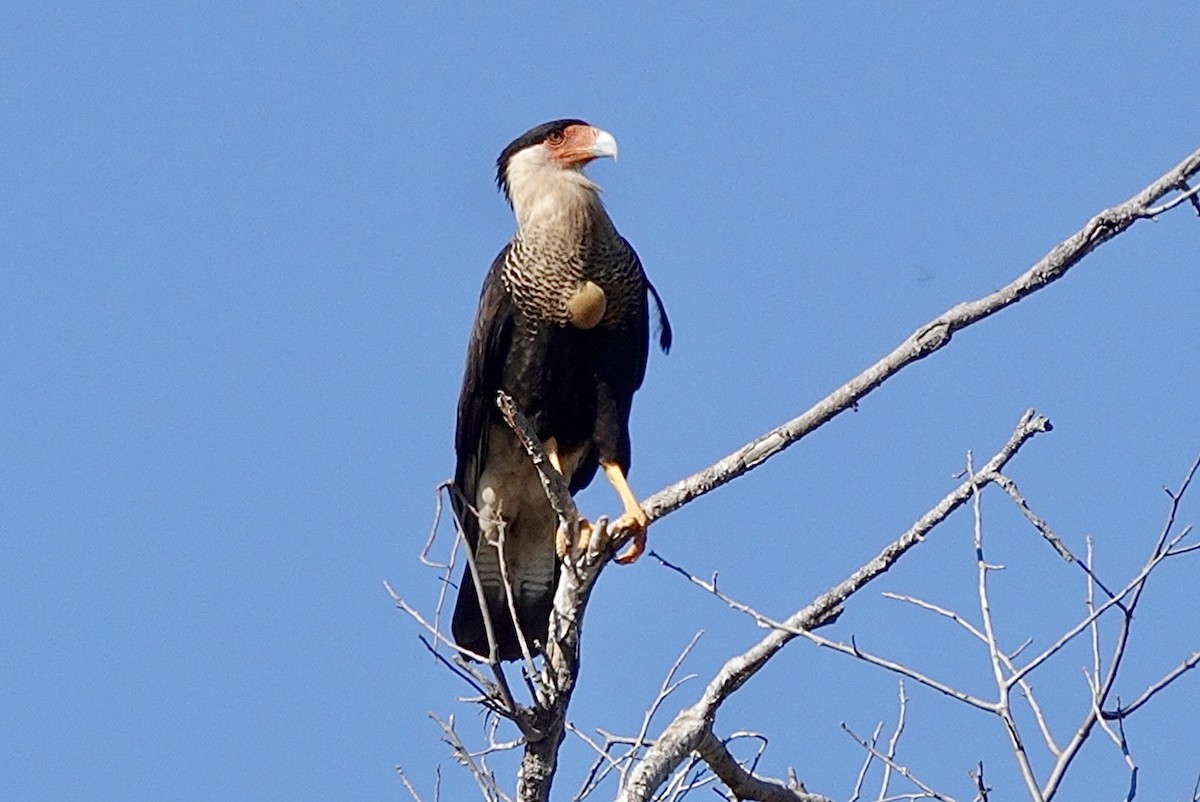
551	449
561	541
634	519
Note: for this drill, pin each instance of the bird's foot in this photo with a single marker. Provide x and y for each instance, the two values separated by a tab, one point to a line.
563	545
634	524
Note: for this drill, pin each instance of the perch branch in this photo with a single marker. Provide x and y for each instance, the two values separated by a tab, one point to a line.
552	481
931	337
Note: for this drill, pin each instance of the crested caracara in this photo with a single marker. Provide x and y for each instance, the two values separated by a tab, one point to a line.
563	328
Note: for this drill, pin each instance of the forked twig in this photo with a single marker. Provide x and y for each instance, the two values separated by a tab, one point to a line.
899	768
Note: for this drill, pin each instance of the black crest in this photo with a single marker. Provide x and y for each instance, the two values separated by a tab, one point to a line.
531	137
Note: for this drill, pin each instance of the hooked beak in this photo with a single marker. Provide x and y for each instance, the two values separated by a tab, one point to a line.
604	145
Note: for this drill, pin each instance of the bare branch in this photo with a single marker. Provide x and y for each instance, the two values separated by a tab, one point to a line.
1010	487
1008	659
1102	688
424	557
668	687
1131	589
502	558
447	567
894	742
1176	498
408	786
942	611
1186	195
601	767
605	763
1091	607
976	775
468	674
1124	712
743	783
862	772
1176	552
1003	708
430	628
493	657
901	769
928	338
1118	738
684	733
852	649
484	779
560	670
693	774
552	481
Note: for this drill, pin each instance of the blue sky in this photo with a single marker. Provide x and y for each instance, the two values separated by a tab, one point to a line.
242	248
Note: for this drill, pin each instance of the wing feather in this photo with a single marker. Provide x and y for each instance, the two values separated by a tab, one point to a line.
491	337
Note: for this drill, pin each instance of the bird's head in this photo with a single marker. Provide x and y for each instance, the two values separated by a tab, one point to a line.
553	153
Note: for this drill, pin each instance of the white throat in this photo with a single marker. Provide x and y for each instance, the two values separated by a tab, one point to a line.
544	195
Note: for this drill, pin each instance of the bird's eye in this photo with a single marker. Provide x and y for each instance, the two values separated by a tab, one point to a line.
555	138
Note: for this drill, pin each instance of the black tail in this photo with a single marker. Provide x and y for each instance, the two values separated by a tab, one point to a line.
470	631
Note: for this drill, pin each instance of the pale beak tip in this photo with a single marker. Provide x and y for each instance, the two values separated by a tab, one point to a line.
605	145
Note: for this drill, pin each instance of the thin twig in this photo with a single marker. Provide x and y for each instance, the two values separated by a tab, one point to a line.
681	736
430	628
976	775
604	758
1162	549
1090	601
893	742
433	529
1007	659
667	687
1010	487
902	770
506	581
1125	711
1118	738
1184	197
409	786
742	782
1117	600
854	650
862	772
484	778
1003	687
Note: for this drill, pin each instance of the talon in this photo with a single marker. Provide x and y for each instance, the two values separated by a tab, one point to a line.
634	520
560	541
637	540
585	534
562	544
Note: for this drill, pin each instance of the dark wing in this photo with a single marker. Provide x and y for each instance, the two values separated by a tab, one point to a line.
620	370
664	324
491	337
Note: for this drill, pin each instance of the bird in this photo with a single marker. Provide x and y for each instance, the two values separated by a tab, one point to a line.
562	327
